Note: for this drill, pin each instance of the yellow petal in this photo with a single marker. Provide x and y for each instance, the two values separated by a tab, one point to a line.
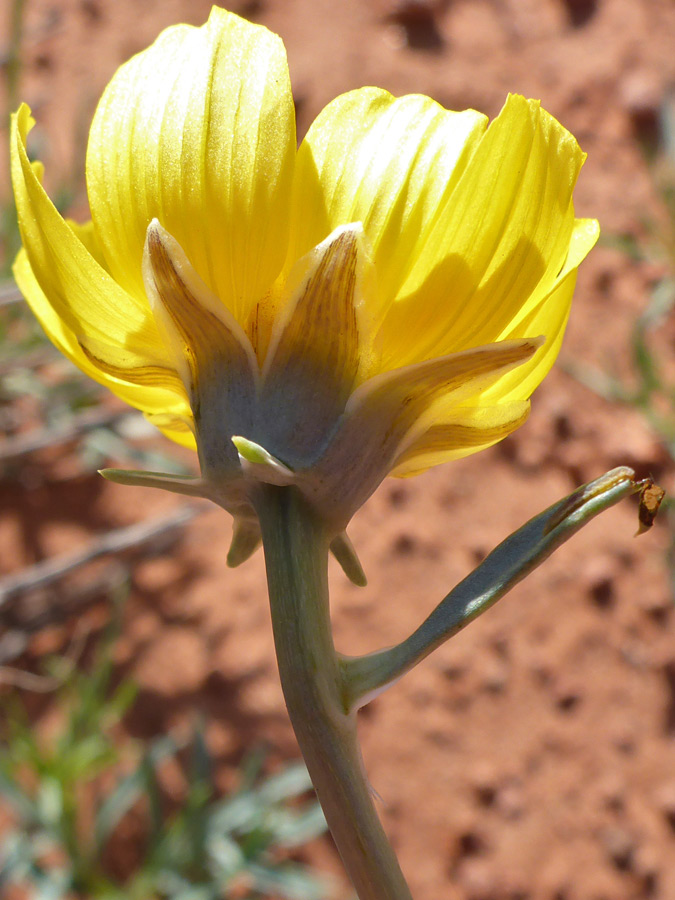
199	131
148	399
466	430
127	365
210	350
178	427
497	245
549	316
313	359
585	233
81	292
59	334
388	163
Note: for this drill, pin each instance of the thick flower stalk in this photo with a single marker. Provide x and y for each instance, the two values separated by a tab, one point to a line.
381	300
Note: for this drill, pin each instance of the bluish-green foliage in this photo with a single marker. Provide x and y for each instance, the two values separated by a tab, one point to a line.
70	792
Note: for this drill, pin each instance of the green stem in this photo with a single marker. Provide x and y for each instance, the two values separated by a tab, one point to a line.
296	555
508	564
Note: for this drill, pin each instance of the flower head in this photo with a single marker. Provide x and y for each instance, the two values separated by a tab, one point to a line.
383	299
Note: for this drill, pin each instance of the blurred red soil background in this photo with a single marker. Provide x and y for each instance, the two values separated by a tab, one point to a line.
533	756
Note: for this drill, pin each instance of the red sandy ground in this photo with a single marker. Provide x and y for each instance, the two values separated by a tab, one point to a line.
532	757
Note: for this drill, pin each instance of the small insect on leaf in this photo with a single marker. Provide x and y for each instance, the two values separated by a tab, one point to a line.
651	496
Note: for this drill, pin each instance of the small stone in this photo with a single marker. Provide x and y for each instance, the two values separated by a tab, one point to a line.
612	793
404	545
641	98
647	866
602	593
656	604
478	879
398	496
495	676
413	12
511	801
580	12
665	801
625	744
599	574
620	847
454	671
568	701
542	669
92	10
470	843
567	694
484	781
417	20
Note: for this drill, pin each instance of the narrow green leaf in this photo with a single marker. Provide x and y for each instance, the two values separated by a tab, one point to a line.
508	564
290	782
128	791
299	828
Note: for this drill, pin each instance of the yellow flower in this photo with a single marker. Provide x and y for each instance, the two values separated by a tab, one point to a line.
383	299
